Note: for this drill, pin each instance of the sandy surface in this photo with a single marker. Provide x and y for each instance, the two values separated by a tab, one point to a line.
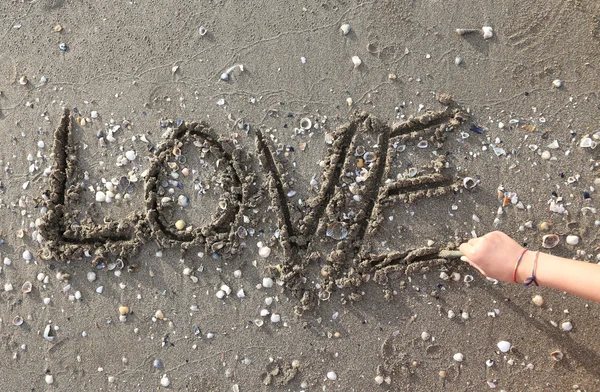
135	63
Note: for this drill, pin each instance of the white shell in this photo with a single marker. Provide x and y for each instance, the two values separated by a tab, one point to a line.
275	318
331	376
458	357
566	326
49	379
425	336
537	300
345	28
130	155
305	123
91	276
504	346
557	83
27	255
100	196
267	283
572	240
264	251
356	61
488	32
553	145
164	381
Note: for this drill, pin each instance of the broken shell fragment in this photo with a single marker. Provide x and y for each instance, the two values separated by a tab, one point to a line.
549	241
356	61
369	157
469	183
345	28
123	310
423	144
557	355
27	287
337	231
572	240
487	31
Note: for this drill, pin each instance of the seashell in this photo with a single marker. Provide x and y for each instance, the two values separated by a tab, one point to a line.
258	322
461	32
27	255
202	31
48	333
329	138
159	314
23	80
183	201
180	224
469	183
468	278
242	232
587	142
356	61
222	204
458	60
27	287
549	241
176	151
423	144
557	83
130	155
345	28
369	157
412	172
572	240
458	357
464	135
337	231
17	320
360	151
537	300
504	346
123	310
557	355
264	251
487	31
305	123
566	326
553	145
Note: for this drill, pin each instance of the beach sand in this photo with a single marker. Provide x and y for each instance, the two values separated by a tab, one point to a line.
132	72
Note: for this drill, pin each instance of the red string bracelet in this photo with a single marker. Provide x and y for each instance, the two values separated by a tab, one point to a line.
517	265
532	278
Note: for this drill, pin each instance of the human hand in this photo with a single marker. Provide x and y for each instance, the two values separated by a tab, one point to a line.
494	255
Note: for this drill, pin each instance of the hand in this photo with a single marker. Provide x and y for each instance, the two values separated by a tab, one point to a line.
494	255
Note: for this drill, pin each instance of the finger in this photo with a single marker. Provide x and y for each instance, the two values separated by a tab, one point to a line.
466	249
466	259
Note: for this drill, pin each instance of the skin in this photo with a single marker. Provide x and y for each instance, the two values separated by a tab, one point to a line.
495	255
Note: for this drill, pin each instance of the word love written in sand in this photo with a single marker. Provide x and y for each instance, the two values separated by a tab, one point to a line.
345	211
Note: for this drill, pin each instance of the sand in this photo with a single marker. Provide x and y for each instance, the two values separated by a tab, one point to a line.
356	280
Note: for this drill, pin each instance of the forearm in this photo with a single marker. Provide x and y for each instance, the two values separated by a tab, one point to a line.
575	277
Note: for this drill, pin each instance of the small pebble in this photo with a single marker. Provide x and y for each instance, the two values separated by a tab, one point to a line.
27	255
557	83
379	380
566	326
331	376
345	28
91	276
458	357
63	47
275	318
157	364
264	251
49	379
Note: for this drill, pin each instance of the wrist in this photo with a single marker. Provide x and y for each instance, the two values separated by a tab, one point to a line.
524	268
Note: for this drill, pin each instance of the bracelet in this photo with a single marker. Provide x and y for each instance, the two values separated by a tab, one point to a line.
532	278
517	265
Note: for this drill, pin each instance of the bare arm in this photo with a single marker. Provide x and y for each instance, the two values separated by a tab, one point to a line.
495	255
